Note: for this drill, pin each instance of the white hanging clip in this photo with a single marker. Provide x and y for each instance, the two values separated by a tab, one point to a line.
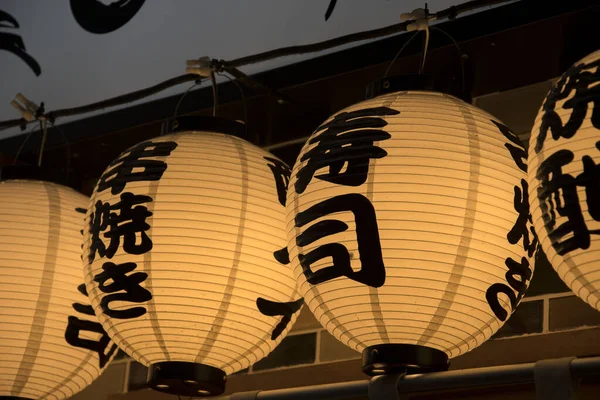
203	67
420	16
28	109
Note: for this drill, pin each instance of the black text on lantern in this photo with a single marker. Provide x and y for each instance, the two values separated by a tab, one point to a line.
124	225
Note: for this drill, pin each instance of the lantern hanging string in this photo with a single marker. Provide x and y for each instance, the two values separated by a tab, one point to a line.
231	66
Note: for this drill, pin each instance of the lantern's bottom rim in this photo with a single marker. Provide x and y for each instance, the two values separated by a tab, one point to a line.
390	358
14	398
187	379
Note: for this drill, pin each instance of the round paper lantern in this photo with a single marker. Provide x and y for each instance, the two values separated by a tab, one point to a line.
186	255
51	344
564	177
407	220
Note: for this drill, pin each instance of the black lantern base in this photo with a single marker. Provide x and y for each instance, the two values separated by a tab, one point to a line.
399	83
33	172
208	124
13	398
187	379
384	359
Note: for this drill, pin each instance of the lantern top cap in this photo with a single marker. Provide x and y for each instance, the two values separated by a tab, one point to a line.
208	124
411	83
32	173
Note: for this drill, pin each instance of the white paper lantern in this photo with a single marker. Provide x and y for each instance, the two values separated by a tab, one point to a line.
192	227
407	223
50	345
564	177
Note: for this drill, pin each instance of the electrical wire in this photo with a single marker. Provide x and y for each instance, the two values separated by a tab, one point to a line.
398	53
126	98
112	102
460	55
448	13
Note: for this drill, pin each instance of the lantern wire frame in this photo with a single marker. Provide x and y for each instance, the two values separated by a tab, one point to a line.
454	42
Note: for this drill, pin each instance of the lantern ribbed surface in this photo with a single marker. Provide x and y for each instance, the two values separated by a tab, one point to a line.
564	177
41	353
398	213
204	278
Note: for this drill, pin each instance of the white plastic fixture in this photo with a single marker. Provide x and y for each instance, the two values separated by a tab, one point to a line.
564	177
51	344
407	219
186	255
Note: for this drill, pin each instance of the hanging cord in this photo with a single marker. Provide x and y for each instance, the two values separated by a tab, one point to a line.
67	147
419	21
424	26
460	55
243	97
183	97
44	130
425	47
215	92
398	53
23	145
449	13
205	67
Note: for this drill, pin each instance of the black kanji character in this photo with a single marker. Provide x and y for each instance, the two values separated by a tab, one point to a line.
580	79
516	149
491	296
122	171
82	308
127	224
520	230
99	220
14	44
273	309
346	140
76	325
590	180
101	17
372	272
128	285
136	223
557	193
282	256
281	173
81	211
72	336
521	270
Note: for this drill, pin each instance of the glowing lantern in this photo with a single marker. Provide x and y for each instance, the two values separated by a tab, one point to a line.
407	218
186	255
51	344
564	178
